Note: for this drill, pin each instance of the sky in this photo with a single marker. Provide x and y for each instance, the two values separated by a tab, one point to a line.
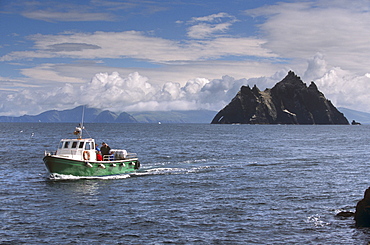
160	55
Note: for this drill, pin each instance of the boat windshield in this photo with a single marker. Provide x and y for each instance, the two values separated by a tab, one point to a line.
76	145
88	146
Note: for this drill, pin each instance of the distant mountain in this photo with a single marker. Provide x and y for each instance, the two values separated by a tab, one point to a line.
92	115
358	116
194	116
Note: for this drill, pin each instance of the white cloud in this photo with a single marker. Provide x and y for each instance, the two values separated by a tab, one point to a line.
345	89
131	93
75	15
80	73
19	55
334	33
45	74
336	29
133	44
316	68
205	27
212	18
135	92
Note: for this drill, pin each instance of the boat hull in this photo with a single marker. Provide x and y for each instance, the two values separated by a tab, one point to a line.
65	166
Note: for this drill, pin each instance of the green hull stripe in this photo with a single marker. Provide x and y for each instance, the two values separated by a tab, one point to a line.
82	168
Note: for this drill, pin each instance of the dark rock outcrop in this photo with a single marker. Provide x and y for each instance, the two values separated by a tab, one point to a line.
355	123
290	101
345	214
362	214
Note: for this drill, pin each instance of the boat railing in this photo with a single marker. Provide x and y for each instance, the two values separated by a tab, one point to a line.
50	153
131	155
114	157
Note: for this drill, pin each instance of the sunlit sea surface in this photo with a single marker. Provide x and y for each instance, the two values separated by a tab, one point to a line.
199	184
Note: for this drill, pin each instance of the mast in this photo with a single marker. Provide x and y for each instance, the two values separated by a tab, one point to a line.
82	119
78	130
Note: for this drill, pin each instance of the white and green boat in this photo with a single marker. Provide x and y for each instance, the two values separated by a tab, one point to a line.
78	157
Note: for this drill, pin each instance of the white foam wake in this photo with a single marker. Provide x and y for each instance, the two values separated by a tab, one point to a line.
72	177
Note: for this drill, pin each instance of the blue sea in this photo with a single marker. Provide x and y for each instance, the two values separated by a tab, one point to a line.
198	184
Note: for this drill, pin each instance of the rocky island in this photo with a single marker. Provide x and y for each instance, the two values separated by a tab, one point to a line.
290	101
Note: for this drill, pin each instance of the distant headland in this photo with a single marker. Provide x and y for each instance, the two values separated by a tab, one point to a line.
93	115
290	101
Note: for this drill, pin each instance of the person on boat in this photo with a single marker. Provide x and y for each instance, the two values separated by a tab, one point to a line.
105	149
111	157
97	147
99	157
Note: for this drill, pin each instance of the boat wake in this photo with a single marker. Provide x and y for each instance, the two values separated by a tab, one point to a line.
168	171
71	177
159	168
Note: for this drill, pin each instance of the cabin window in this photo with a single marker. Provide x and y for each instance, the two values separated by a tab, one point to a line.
66	144
74	144
87	146
61	145
81	145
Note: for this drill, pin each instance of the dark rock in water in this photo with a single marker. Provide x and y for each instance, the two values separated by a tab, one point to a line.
355	123
290	101
362	215
345	214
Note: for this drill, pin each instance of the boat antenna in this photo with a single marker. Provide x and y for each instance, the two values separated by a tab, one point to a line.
82	122
82	119
79	129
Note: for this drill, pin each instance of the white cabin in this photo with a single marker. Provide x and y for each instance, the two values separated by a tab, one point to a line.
78	149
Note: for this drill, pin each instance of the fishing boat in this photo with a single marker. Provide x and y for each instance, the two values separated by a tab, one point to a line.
79	157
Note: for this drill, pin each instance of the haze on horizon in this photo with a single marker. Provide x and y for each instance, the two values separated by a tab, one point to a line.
177	55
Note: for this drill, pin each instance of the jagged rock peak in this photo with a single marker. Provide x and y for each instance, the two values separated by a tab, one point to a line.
290	101
255	89
291	80
291	77
246	90
313	87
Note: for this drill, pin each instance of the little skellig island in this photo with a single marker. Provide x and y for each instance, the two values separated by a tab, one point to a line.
290	101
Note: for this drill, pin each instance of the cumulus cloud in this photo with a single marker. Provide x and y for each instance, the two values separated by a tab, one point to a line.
130	93
345	89
135	92
342	87
316	68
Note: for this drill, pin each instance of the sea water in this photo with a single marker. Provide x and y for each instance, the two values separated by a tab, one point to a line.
198	184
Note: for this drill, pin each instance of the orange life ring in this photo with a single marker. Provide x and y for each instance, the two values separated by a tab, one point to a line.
86	155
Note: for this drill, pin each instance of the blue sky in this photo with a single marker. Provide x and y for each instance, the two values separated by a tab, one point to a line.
177	55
